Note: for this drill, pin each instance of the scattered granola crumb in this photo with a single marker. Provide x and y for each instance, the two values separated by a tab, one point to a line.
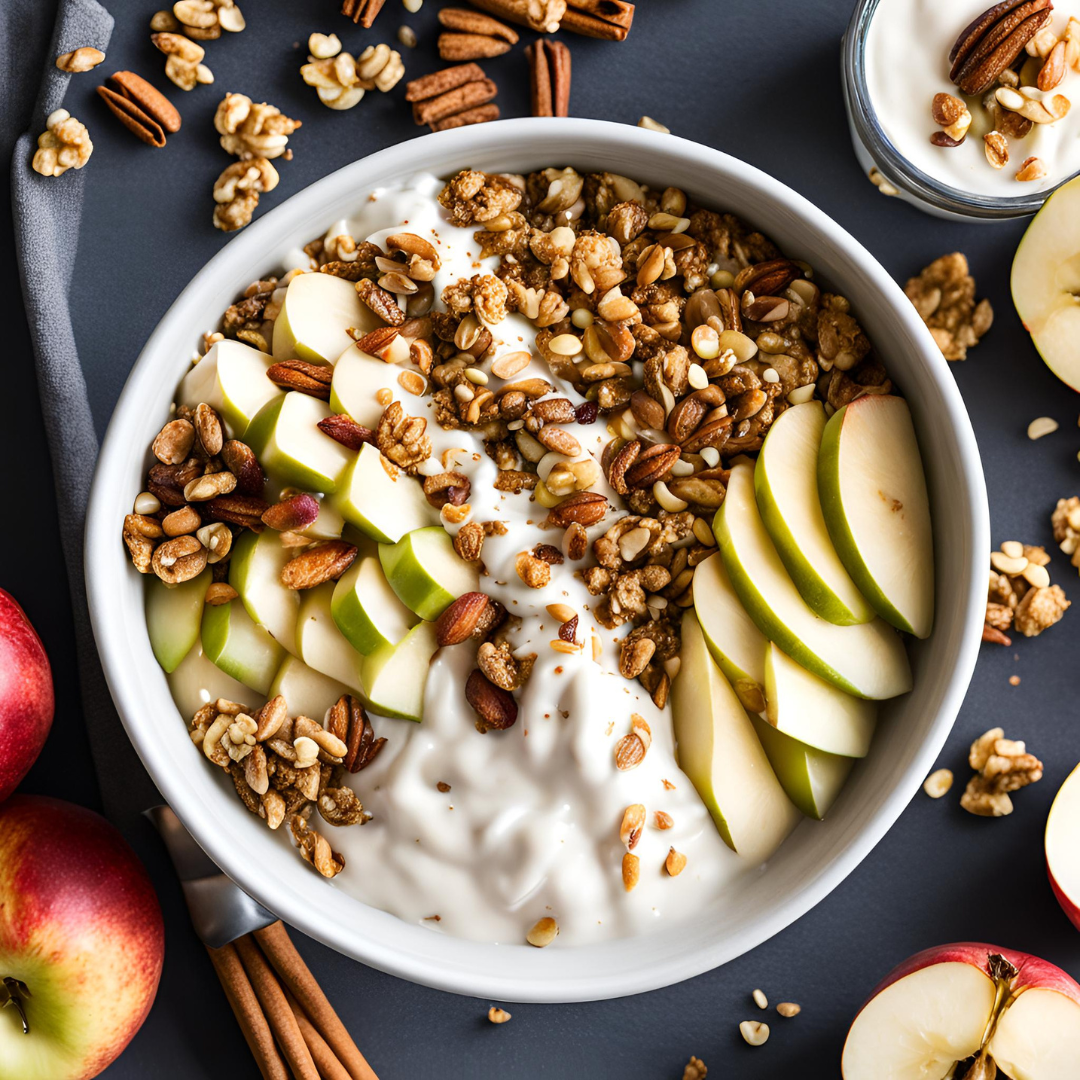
1040	426
1014	680
760	1000
497	1015
1001	765
443	786
788	1009
938	783
1020	593
754	1032
944	296
1065	521
696	1069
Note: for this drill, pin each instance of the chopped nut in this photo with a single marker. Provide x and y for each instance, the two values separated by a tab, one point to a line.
252	131
760	1000
754	1032
497	1015
543	932
237	189
1001	765
82	59
675	862
938	783
788	1009
64	145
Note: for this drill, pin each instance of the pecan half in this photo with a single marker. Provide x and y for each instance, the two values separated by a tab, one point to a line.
324	562
623	459
584	508
653	465
237	510
313	379
495	707
992	42
767	278
142	126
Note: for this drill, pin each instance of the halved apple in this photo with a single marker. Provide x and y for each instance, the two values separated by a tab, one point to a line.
307	692
873	496
1063	846
173	616
785	481
811	778
815	712
719	752
198	680
1046	282
365	608
867	660
255	573
291	447
358	378
376	497
426	572
736	644
395	675
321	644
240	647
318	311
232	379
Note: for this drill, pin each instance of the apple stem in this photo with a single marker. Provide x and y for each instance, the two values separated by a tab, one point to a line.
1003	973
12	992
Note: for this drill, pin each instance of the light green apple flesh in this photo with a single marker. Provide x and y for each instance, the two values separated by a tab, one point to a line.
232	379
1046	282
785	482
377	498
290	446
811	778
358	378
736	644
873	495
328	525
173	617
306	691
315	318
813	711
867	660
426	572
321	644
366	610
240	647
395	675
723	758
198	680
255	573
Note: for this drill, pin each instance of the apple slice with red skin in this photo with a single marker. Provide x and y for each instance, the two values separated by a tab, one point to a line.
1063	846
961	1010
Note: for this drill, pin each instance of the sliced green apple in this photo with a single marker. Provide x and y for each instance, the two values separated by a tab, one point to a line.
306	691
321	644
173	616
736	644
197	680
290	446
813	711
395	675
722	756
1046	282
239	646
785	481
365	608
328	525
255	573
811	778
426	572
318	311
380	500
867	660
358	378
232	379
873	495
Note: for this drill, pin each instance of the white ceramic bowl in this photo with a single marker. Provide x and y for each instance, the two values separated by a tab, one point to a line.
819	855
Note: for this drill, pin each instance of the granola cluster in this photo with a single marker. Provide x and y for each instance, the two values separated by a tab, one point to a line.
1001	765
944	296
1065	522
1020	593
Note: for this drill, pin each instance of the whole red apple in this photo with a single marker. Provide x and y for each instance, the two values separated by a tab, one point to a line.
26	695
81	941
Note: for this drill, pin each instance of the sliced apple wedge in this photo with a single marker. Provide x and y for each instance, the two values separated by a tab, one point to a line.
197	680
240	647
736	644
395	675
785	481
232	379
811	778
255	573
315	318
815	712
290	446
321	644
1046	282
426	572
307	692
873	496
173	616
366	610
1063	846
867	660
358	378
719	752
377	498
329	525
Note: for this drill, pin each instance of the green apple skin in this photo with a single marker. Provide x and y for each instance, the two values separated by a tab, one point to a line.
720	753
866	661
321	644
287	428
395	675
872	435
811	778
426	572
240	647
316	316
255	573
232	379
306	691
173	617
786	486
366	609
197	680
1045	282
380	500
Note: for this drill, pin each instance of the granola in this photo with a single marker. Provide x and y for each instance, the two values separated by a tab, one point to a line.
1020	593
944	296
1001	765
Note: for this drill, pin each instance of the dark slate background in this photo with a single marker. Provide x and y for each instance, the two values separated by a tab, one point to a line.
759	80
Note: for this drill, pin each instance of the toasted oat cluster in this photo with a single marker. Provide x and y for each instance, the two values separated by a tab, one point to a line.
1020	593
944	296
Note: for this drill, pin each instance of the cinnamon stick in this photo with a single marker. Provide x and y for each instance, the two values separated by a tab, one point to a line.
249	1015
439	82
543	16
581	22
325	1059
480	115
362	11
549	78
619	12
278	1014
294	973
454	101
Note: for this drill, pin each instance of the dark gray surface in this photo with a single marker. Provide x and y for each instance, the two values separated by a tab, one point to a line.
760	81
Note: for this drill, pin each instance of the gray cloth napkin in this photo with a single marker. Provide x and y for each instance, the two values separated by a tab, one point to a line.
47	211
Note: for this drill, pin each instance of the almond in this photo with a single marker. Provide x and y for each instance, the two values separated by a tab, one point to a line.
345	430
460	619
208	428
647	410
584	509
1053	70
325	562
312	379
174	442
495	707
652	465
688	413
241	461
295	513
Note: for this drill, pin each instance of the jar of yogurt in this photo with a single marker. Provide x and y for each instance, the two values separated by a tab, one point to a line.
994	147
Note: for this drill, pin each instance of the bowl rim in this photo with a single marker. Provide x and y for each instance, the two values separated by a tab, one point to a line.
535	975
